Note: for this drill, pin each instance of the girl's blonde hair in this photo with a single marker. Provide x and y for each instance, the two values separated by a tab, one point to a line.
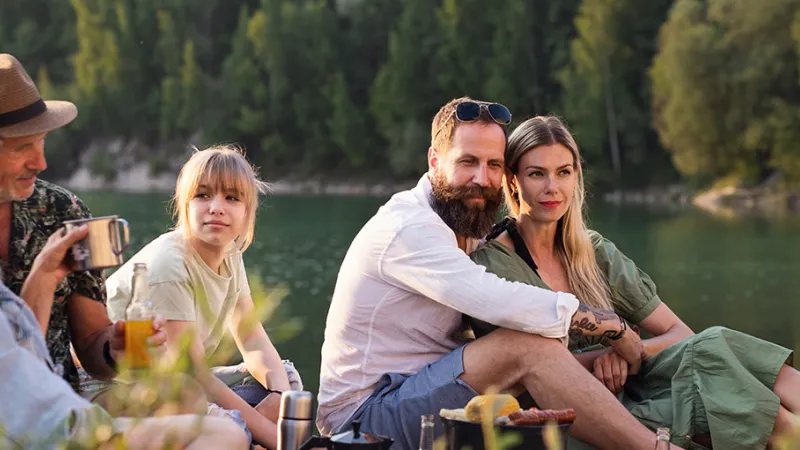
219	168
573	246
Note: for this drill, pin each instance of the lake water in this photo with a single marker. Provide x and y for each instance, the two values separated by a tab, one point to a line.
741	273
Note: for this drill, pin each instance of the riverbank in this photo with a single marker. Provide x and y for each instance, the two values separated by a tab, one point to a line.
668	196
129	166
727	201
730	201
137	178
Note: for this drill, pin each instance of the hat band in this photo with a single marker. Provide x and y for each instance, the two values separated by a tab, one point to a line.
21	115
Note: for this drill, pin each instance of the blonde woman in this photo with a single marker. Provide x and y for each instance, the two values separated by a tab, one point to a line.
735	388
197	281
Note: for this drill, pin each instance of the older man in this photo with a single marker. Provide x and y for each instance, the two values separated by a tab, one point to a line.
31	210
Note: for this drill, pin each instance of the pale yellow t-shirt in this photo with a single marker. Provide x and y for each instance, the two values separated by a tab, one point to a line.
183	287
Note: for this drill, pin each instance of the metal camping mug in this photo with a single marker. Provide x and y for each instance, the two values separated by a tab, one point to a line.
101	248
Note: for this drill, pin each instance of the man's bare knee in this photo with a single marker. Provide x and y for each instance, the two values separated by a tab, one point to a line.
534	352
504	357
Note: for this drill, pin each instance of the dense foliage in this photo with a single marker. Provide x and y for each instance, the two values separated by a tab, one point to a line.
347	88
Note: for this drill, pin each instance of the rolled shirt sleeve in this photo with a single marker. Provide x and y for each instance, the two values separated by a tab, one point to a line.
422	258
633	292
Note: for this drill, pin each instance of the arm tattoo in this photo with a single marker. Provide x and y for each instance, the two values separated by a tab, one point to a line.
577	327
584	325
617	335
602	315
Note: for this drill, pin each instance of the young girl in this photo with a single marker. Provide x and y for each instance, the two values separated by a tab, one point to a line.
197	281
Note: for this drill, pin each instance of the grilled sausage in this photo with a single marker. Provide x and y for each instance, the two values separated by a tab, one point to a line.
536	416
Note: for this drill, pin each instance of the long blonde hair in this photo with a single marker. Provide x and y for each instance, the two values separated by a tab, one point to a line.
573	246
222	168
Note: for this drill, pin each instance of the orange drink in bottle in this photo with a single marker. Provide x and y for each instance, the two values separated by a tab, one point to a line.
136	334
138	321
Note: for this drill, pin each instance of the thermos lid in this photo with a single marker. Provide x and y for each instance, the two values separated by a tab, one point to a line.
296	405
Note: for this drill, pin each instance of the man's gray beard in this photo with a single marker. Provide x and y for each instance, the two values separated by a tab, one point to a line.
467	221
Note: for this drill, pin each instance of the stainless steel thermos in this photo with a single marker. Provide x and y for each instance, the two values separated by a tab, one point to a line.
295	421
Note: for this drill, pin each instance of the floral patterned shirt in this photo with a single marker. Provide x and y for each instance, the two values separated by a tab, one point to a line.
33	221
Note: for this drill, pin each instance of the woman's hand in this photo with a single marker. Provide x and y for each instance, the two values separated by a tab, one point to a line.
612	370
631	349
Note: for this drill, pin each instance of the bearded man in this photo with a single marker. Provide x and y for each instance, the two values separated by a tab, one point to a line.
391	353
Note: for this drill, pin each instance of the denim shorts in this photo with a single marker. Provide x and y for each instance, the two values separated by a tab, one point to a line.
233	414
396	405
239	380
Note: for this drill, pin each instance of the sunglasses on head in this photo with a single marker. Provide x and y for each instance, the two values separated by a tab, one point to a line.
469	111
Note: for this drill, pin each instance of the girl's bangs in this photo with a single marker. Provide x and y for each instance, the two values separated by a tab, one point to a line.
225	173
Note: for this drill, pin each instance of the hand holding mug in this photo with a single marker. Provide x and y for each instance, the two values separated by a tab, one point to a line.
102	247
52	263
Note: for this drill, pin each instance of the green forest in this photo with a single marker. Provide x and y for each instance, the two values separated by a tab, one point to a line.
656	91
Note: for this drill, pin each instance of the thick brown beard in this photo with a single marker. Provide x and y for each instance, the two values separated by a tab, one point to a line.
468	221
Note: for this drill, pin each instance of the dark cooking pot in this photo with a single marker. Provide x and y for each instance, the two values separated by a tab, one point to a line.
353	439
461	435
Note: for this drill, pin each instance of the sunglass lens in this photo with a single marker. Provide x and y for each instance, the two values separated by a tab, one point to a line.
468	111
500	113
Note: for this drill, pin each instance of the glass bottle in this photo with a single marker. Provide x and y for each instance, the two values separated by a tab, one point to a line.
662	438
426	434
138	320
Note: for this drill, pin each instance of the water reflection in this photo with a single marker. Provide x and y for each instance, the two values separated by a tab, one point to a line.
739	273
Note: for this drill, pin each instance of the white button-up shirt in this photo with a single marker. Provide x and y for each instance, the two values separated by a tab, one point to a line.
399	296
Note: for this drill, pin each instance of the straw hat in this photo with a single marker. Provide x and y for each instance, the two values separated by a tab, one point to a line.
22	110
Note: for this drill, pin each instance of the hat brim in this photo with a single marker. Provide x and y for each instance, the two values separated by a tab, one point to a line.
58	114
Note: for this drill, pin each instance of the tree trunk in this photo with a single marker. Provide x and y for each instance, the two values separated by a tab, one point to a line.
611	119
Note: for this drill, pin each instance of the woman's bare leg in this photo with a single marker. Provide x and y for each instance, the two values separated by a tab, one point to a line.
174	394
184	432
785	423
270	406
787	388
